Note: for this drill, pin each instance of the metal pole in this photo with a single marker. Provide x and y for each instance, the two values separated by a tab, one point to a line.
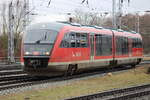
138	23
26	12
119	15
114	13
11	35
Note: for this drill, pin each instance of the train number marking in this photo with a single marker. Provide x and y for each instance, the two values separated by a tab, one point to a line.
76	54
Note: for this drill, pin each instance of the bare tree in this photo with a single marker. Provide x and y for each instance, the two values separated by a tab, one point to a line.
87	18
19	20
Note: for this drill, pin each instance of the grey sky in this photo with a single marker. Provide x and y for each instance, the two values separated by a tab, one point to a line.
59	8
67	6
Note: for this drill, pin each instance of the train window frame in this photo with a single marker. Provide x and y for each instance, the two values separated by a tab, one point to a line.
136	43
72	36
103	45
65	41
84	40
76	37
122	45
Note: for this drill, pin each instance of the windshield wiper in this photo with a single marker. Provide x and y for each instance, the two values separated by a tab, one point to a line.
38	41
43	38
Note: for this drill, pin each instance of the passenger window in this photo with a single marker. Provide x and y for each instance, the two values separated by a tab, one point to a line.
122	45
78	40
74	39
66	41
136	43
84	40
103	45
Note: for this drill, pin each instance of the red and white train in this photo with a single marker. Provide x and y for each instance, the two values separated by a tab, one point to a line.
65	48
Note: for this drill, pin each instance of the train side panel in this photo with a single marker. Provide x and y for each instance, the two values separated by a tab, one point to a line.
127	54
66	55
82	48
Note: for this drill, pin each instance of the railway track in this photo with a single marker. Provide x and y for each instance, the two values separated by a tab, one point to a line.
21	80
17	78
129	93
10	72
10	67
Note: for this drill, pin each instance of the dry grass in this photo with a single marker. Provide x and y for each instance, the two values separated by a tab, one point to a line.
132	77
146	58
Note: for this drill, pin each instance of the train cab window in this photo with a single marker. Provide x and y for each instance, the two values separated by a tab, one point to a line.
40	35
103	45
75	40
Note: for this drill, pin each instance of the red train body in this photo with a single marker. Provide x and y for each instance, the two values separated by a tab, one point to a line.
61	48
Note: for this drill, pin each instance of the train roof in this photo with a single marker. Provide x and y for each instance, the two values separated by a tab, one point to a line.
98	27
57	26
49	25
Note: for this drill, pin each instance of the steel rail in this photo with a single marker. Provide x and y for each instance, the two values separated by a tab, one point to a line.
13	81
119	94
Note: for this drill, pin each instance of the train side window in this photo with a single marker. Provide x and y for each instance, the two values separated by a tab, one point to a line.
84	40
136	43
72	39
109	38
118	45
125	45
122	45
106	45
65	42
78	37
103	45
133	43
140	43
98	39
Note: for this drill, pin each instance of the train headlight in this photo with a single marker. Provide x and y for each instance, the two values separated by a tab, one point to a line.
46	53
27	53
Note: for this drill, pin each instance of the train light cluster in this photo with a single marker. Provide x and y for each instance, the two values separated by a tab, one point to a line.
47	53
27	53
37	53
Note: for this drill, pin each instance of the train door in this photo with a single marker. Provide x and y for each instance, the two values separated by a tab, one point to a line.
91	47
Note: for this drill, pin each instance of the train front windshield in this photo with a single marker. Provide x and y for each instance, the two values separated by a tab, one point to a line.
39	41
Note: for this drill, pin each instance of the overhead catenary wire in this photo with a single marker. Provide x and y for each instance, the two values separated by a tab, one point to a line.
53	4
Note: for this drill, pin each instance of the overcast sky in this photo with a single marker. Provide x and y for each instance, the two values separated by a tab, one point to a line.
68	6
62	7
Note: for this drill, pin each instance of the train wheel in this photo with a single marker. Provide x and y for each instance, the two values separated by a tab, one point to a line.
138	61
133	65
71	70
